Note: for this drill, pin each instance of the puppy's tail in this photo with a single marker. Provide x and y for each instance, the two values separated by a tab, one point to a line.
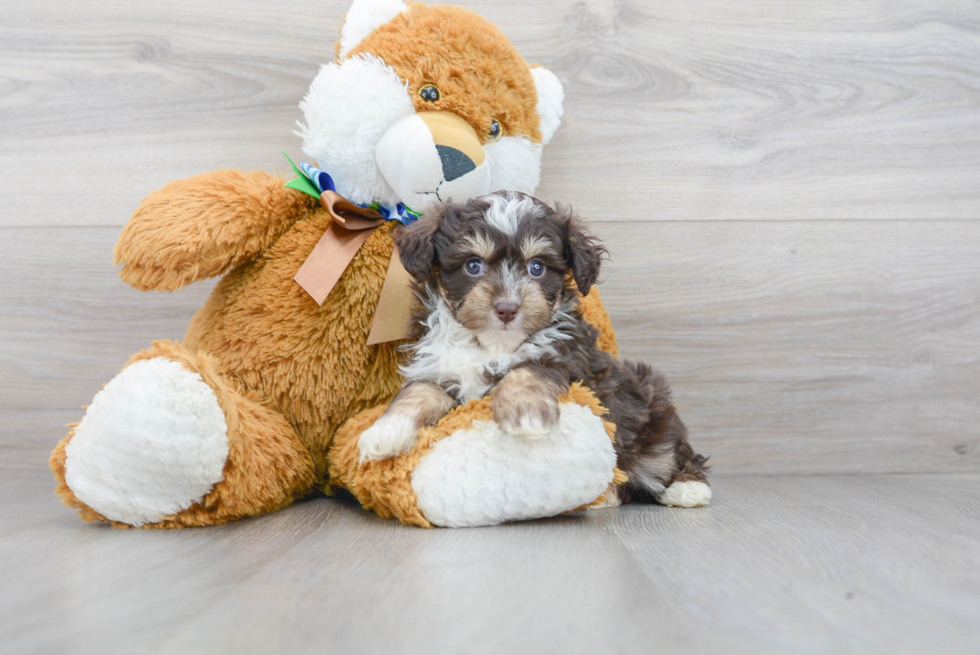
659	456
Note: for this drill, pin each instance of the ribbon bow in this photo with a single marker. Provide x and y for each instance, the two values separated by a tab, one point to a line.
351	226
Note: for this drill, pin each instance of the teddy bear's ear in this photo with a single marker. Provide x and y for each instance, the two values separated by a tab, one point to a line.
551	95
365	15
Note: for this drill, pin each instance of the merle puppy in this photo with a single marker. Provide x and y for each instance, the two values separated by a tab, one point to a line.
499	313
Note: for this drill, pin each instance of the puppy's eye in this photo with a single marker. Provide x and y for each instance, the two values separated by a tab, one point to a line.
474	266
430	93
496	131
535	268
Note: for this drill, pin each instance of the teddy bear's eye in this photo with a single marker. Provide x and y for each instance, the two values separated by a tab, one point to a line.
430	93
496	130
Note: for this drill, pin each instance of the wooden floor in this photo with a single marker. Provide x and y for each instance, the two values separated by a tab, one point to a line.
818	564
791	195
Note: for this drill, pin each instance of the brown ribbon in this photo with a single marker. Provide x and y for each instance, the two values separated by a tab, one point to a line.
334	251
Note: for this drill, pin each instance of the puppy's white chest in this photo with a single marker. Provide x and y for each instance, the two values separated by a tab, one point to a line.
462	367
450	356
470	369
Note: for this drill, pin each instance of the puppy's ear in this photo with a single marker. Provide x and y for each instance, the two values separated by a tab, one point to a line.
583	252
416	245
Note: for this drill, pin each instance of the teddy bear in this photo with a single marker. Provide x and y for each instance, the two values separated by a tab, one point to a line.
296	351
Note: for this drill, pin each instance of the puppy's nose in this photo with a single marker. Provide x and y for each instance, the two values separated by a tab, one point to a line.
506	311
455	163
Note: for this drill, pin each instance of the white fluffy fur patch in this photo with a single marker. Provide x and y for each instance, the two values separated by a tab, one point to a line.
507	210
485	476
363	17
348	108
390	435
153	442
551	97
515	164
690	493
450	356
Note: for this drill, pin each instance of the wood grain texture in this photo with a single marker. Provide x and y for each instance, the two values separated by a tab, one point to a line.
803	347
810	346
827	564
790	192
675	110
68	325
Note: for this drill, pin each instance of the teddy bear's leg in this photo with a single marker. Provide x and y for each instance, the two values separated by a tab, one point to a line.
170	442
467	471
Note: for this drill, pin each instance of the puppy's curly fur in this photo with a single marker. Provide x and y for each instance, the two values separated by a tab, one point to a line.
499	313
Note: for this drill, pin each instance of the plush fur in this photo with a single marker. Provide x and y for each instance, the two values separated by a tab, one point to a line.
499	315
480	74
361	95
285	372
484	485
267	468
376	84
155	416
363	18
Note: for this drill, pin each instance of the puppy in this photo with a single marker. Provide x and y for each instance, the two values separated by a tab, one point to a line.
499	314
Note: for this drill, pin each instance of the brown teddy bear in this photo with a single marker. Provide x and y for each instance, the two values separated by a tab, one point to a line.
422	105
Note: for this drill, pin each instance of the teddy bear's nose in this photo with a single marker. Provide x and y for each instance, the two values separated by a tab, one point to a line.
455	163
506	311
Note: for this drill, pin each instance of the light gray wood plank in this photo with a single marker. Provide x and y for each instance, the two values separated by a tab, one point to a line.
844	564
769	110
809	347
67	325
825	564
793	347
681	111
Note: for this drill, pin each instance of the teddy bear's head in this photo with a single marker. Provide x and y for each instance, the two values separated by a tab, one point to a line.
427	104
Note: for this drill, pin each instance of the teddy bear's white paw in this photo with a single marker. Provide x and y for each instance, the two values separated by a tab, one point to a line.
486	474
390	435
153	442
690	493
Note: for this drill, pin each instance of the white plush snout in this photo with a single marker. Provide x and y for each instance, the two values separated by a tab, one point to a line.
424	172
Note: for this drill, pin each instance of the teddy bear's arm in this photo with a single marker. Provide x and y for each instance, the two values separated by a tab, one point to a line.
204	225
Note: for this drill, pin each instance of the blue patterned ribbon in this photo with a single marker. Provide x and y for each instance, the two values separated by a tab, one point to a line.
311	180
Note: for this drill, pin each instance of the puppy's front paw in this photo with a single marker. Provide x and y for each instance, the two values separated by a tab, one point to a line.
530	413
390	435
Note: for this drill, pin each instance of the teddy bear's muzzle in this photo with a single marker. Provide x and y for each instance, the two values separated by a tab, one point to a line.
433	157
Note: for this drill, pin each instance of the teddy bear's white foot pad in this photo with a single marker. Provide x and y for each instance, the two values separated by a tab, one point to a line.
485	475
689	493
153	442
